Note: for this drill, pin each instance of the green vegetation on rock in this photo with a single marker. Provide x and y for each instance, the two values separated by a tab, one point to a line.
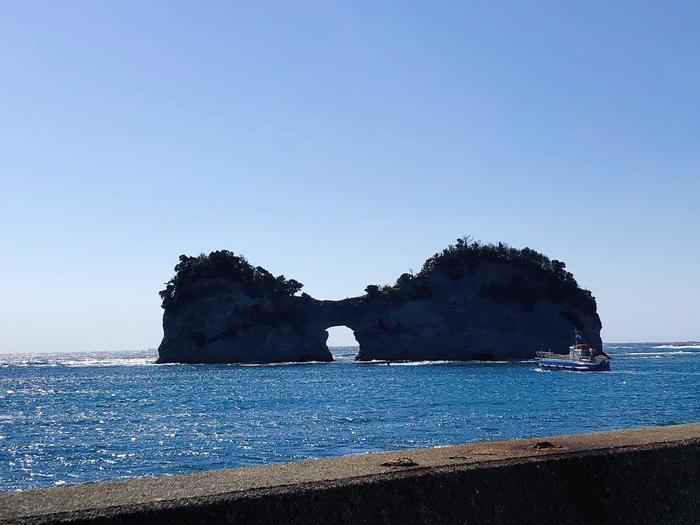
223	264
545	276
467	253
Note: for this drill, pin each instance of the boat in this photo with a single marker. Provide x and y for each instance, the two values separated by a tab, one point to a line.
581	358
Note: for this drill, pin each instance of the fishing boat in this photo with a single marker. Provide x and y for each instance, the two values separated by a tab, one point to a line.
581	358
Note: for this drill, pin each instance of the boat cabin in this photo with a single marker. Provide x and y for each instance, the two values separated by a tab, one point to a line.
581	350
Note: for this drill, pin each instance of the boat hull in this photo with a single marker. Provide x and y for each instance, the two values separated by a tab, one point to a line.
577	366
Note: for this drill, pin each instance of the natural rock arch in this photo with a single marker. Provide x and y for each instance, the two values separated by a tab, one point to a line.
472	301
347	341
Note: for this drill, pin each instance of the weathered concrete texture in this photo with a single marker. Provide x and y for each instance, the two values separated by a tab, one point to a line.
635	476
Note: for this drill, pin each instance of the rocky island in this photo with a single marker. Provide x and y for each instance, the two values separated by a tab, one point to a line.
472	301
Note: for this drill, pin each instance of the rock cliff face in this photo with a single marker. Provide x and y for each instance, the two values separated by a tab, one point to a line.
472	301
220	309
230	325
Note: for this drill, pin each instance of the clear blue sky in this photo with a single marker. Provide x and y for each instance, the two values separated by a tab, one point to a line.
342	143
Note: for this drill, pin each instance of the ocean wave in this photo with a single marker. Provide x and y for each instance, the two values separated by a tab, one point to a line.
151	361
401	363
677	352
72	360
656	355
420	363
673	346
433	362
80	362
285	363
137	361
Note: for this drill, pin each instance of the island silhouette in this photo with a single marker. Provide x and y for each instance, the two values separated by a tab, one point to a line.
472	301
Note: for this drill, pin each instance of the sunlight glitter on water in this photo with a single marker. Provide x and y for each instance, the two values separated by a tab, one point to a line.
71	418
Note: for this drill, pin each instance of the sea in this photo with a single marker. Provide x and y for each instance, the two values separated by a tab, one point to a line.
69	418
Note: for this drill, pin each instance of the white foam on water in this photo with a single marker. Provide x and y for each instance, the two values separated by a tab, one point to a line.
92	359
659	354
433	362
137	361
286	363
82	362
420	363
693	345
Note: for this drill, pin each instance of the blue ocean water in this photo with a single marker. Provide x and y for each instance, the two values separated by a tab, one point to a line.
72	418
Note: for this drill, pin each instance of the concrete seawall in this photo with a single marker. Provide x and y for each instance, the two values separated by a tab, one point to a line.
631	476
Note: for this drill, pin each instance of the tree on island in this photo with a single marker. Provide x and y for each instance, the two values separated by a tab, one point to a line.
224	264
462	258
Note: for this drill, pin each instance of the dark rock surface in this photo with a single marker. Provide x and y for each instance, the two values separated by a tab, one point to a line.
232	326
472	301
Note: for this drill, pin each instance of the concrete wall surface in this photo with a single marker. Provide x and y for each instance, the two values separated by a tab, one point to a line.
629	476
